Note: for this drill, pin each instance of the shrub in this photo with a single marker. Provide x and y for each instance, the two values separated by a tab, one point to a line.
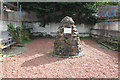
18	34
119	42
11	30
26	32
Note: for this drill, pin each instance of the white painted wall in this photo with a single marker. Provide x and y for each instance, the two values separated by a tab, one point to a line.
53	28
108	26
115	26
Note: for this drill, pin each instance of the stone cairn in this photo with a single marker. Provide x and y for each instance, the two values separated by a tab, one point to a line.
67	43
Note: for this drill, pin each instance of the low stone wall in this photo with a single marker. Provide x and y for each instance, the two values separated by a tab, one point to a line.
52	28
106	29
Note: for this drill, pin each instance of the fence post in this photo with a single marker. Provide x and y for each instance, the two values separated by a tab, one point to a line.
20	16
2	11
107	13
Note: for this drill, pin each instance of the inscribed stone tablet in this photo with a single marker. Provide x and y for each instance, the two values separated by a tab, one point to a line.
67	30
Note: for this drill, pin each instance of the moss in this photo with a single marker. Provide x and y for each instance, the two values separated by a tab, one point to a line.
85	38
27	41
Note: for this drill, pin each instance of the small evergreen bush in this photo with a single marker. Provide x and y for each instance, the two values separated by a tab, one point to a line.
18	34
119	42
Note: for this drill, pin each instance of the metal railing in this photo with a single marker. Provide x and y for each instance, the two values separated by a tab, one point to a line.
110	13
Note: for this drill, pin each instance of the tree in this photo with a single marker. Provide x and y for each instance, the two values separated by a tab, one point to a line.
81	12
107	3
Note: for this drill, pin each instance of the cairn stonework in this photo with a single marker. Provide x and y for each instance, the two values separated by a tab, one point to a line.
67	42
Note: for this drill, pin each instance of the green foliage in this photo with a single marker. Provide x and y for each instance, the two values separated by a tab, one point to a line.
81	12
27	41
18	34
15	33
119	41
11	30
107	3
26	31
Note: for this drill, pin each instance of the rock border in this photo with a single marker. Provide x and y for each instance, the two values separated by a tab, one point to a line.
13	52
77	56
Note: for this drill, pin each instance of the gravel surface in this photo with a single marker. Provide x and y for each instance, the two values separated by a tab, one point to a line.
37	63
14	51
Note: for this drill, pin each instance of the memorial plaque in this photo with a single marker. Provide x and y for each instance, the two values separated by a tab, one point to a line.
67	30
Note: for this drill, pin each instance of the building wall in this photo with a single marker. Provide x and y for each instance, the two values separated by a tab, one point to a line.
14	18
25	16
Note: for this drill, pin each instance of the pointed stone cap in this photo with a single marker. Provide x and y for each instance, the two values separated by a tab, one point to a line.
67	20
